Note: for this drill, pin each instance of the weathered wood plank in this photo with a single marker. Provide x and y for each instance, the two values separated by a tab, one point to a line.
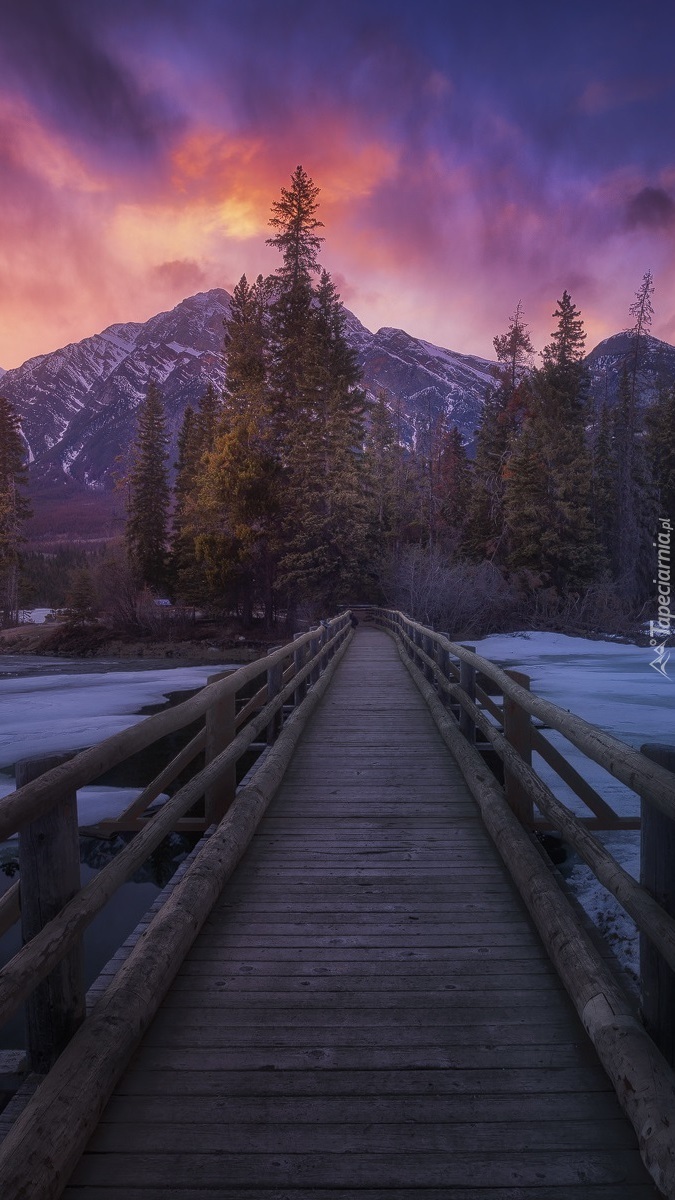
343	1169
434	1057
556	1079
629	1191
364	1137
372	1035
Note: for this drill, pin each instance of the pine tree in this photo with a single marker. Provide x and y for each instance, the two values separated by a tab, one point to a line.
564	356
502	416
642	311
455	480
549	473
196	439
604	474
14	509
634	488
661	450
148	505
317	414
513	349
240	493
393	504
293	361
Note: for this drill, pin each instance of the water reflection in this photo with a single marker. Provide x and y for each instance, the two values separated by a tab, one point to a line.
115	922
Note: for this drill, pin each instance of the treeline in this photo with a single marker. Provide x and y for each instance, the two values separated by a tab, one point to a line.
292	490
294	493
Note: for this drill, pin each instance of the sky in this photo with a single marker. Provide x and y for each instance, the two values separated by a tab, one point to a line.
469	155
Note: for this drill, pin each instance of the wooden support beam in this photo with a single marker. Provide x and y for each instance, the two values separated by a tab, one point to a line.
299	660
657	875
467	681
517	729
49	876
315	646
428	647
274	684
220	731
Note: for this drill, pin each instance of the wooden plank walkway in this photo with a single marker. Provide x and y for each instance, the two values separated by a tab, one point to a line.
368	1011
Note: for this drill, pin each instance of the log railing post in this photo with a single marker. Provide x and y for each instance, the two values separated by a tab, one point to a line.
299	660
417	638
49	874
220	731
315	646
657	875
410	646
443	660
467	681
275	677
517	730
428	647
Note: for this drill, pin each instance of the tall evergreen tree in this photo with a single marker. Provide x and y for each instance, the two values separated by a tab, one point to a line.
148	504
317	413
661	450
295	221
513	350
548	501
502	415
238	542
390	480
196	439
634	491
14	509
604	474
455	480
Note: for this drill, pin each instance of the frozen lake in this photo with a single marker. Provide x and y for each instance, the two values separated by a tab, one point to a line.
48	705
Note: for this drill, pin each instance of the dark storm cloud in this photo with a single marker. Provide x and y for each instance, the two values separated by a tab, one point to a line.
180	273
651	208
54	54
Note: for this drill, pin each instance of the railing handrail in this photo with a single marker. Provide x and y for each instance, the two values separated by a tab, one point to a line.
37	797
47	948
626	764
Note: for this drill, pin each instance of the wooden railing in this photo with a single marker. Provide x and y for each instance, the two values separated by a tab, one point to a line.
637	1053
459	677
47	971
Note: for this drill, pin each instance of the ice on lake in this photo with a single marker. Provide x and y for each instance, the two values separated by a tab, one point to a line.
48	706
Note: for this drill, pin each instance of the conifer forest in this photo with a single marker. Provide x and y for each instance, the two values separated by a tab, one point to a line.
295	492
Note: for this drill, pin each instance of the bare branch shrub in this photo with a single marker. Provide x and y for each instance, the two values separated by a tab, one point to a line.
464	599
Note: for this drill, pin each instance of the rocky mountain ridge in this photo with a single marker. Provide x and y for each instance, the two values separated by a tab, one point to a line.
77	405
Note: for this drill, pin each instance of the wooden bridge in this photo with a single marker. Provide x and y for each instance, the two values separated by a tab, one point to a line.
387	994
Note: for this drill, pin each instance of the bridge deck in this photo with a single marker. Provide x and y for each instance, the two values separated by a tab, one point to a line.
368	1010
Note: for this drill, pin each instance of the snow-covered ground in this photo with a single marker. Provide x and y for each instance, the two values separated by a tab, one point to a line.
611	686
35	616
65	709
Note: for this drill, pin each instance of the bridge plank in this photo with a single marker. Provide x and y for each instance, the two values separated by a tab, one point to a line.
368	1010
629	1191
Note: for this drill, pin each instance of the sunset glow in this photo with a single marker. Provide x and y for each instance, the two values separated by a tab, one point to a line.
465	160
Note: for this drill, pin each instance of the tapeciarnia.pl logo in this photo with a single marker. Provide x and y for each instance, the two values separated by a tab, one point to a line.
660	630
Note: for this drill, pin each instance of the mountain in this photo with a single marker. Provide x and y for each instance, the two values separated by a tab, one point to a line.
607	361
77	406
